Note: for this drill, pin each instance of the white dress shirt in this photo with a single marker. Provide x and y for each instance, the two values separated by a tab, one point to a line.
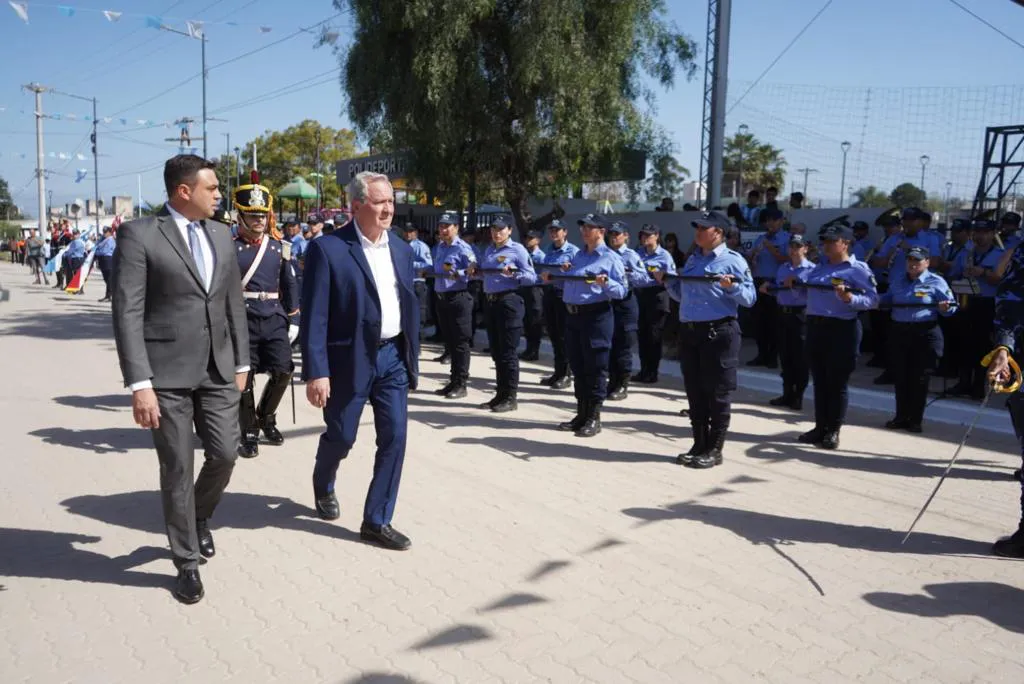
182	224
378	254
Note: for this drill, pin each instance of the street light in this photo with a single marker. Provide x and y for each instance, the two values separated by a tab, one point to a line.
740	133
845	147
924	162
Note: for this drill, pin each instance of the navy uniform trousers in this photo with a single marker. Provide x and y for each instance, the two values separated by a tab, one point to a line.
914	353
792	344
504	330
533	317
555	321
654	308
588	343
455	321
627	320
388	395
709	353
832	345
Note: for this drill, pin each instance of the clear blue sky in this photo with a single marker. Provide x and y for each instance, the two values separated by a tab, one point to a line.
923	61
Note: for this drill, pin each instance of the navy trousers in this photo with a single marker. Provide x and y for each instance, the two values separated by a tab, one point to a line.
627	320
505	329
388	394
832	345
588	343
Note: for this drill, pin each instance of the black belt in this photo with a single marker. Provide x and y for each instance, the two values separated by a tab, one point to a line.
449	294
576	309
390	340
792	309
829	319
700	324
495	296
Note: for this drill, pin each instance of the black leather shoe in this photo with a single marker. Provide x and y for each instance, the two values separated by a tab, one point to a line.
327	507
914	427
830	441
797	403
1010	547
457	391
884	379
562	383
592	421
385	535
897	423
189	588
250	446
443	391
548	380
443	359
645	378
271	432
206	546
696	450
529	356
618	394
505	405
784	400
812	437
490	404
709	459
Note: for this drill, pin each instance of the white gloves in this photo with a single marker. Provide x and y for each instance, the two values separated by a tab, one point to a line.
293	333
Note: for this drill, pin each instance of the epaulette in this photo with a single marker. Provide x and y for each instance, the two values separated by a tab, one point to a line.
286	250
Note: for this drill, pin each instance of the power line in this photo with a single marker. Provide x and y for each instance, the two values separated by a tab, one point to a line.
277	93
995	28
781	55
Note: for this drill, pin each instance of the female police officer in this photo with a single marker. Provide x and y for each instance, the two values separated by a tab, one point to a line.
916	298
838	288
711	287
506	266
452	259
592	281
654	304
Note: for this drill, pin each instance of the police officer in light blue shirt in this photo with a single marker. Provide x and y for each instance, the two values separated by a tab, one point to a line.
452	261
533	302
838	289
862	243
1009	229
560	252
767	253
792	322
654	303
421	263
592	281
105	258
714	283
506	266
917	297
626	310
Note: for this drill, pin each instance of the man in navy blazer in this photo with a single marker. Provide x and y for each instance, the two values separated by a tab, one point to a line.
360	342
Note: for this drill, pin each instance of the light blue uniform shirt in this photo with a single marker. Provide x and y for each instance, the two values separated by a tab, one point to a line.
106	247
856	275
76	250
928	288
601	261
658	260
924	238
709	301
537	255
751	214
421	259
457	257
989	259
636	272
1012	241
796	296
556	256
510	254
299	245
861	248
766	265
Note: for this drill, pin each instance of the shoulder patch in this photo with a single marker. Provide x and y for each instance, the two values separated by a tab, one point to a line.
286	250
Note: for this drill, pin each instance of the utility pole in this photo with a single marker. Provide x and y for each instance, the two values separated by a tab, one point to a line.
227	159
40	157
845	147
716	75
806	172
319	202
202	41
95	171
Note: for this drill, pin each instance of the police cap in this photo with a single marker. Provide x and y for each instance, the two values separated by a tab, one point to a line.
650	229
556	225
501	222
797	241
535	234
409	227
914	213
1010	217
449	218
860	225
837	231
918	252
593	220
983	224
959	224
618	227
713	219
771	214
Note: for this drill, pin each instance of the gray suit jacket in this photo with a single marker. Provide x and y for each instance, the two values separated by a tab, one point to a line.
166	325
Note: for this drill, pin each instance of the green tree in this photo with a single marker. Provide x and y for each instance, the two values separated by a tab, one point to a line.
7	208
869	197
907	195
283	155
667	176
528	96
764	166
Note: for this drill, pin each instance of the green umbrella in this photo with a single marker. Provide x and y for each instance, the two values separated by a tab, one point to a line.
297	190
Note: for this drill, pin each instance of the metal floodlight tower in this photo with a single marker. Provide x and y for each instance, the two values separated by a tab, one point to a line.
1002	165
716	73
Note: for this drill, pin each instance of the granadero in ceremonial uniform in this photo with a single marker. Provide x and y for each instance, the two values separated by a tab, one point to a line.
271	304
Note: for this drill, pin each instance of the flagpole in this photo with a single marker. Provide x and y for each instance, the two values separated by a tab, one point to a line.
202	39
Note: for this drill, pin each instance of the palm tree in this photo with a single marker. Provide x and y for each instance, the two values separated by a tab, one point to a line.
764	165
869	197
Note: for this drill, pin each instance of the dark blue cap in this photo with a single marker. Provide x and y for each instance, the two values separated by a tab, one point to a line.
535	234
618	227
861	225
797	240
1011	217
837	232
649	229
916	213
449	217
409	226
771	214
593	220
918	253
713	219
960	224
983	224
556	225
501	222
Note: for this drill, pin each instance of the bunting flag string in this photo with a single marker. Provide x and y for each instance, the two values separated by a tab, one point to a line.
123	121
194	28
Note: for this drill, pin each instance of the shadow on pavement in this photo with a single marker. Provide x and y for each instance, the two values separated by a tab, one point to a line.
458	635
998	603
105	402
381	678
526	449
79	325
98	440
142	511
53	555
764	528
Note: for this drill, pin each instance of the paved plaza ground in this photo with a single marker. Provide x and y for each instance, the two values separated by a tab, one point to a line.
537	556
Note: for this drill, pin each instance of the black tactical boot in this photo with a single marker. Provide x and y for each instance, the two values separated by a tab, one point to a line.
592	425
700	445
621	389
713	456
269	401
577	421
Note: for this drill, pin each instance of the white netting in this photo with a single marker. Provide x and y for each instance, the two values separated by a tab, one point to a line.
889	129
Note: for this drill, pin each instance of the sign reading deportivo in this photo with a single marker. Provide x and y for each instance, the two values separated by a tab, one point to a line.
393	164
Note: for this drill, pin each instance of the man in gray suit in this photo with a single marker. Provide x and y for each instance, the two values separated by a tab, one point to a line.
183	346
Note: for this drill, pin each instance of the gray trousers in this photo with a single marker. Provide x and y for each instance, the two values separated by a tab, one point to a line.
213	408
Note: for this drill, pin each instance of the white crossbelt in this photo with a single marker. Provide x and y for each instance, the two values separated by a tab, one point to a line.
262	296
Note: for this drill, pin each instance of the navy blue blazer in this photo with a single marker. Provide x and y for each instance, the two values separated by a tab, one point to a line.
341	317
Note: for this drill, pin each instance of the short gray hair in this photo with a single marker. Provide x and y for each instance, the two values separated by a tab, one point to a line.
358	187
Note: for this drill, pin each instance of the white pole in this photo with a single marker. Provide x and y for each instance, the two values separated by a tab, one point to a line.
140	194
